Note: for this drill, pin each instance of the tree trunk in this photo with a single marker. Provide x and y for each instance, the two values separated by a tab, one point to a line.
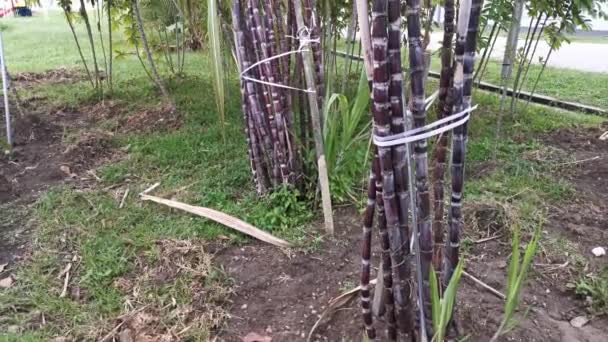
103	48
84	61
350	38
511	49
527	47
85	17
109	14
144	40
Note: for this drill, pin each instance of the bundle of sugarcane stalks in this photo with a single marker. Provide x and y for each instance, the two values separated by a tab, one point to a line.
390	185
270	84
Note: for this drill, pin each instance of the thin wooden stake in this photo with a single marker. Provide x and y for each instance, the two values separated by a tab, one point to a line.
124	197
316	124
485	286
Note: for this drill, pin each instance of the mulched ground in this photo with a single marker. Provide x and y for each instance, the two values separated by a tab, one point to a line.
281	294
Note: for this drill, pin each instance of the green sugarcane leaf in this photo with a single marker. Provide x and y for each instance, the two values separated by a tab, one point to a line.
517	279
513	271
447	303
215	51
435	300
331	125
526	263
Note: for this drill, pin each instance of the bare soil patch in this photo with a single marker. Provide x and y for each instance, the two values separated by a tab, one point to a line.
42	157
280	294
583	220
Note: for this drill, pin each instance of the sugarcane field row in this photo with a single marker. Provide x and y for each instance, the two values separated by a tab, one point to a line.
303	170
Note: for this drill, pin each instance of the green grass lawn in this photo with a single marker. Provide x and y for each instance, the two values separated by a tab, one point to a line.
565	84
113	243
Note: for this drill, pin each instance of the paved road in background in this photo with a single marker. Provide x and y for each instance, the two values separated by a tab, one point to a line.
576	55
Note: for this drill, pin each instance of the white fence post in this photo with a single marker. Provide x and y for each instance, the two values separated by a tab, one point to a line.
9	133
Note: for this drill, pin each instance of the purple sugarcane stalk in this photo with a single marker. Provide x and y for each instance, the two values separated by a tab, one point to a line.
440	153
382	127
417	75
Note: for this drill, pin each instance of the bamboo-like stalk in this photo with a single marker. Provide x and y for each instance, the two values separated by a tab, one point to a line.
483	63
275	109
103	47
518	83
400	243
277	42
365	36
85	17
350	40
440	153
84	61
144	41
314	27
387	274
530	59
258	169
366	247
110	53
488	50
259	95
382	127
165	47
141	62
417	72
383	292
510	49
463	85
255	98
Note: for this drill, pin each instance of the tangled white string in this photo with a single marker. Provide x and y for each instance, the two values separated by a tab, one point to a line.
305	41
425	132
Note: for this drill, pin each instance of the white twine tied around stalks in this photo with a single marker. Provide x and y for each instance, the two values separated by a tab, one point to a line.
305	41
425	132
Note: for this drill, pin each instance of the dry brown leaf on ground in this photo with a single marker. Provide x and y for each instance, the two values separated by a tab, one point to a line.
219	217
253	337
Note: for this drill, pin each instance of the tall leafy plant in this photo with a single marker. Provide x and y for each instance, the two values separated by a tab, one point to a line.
518	272
66	6
344	128
215	55
144	40
443	305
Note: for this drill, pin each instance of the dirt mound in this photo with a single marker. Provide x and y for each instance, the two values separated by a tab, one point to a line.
40	159
102	110
151	120
91	149
61	75
33	128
